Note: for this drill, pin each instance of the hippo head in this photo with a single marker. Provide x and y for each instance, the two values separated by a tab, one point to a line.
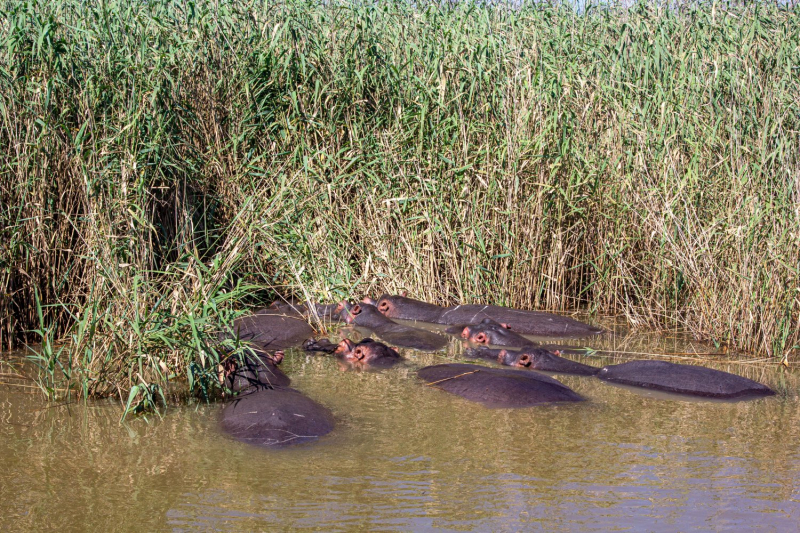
365	351
487	332
508	358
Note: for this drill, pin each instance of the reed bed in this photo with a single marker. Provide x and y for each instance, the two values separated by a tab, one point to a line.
166	164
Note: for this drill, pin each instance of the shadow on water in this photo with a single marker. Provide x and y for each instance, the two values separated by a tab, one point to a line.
405	456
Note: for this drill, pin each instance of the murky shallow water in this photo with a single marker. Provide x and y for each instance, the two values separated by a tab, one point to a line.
409	457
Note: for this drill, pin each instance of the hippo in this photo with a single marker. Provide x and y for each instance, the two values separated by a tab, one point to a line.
544	360
366	352
367	316
683	379
257	371
497	387
270	330
522	322
275	416
488	331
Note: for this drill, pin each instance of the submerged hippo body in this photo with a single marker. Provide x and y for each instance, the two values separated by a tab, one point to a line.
255	372
269	330
489	331
683	379
367	316
275	417
496	387
522	322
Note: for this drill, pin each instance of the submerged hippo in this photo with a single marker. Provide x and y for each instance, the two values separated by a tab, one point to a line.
366	352
683	379
533	358
367	316
496	387
257	371
523	322
540	359
489	331
268	329
277	416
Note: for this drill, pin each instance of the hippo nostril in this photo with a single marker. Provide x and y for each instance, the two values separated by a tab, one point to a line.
524	360
359	354
480	337
356	309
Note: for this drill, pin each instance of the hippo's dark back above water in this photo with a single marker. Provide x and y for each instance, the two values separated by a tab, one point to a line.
522	322
683	379
269	330
275	417
496	387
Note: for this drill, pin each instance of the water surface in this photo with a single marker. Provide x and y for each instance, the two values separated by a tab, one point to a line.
409	457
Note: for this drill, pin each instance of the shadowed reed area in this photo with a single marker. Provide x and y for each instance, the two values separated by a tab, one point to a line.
163	162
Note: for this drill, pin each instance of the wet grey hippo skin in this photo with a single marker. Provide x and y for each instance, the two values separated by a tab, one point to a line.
532	358
489	331
683	379
254	372
522	322
269	329
275	417
497	387
367	316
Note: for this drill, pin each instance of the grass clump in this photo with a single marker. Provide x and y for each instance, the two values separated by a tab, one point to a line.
158	155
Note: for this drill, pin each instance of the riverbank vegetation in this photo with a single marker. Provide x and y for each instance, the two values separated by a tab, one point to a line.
167	164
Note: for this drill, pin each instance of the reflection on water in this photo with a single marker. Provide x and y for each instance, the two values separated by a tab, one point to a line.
405	456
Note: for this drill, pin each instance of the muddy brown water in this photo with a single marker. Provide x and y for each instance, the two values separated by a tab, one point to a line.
409	457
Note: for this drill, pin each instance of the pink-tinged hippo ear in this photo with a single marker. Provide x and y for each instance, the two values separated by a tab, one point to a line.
558	353
502	355
404	294
277	357
465	333
345	347
505	325
368	300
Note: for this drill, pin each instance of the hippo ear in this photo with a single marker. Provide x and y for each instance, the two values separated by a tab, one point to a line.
504	325
465	333
558	353
502	355
404	294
